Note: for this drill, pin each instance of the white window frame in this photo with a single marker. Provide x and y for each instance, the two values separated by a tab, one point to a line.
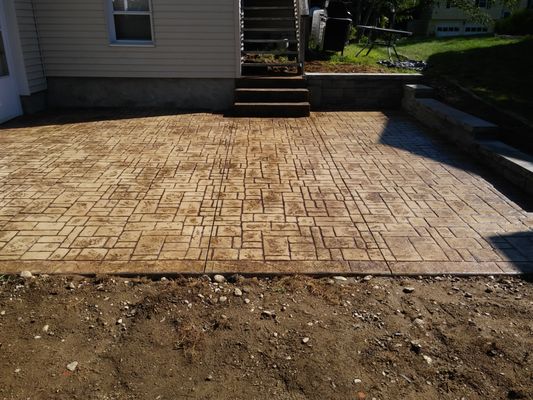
113	41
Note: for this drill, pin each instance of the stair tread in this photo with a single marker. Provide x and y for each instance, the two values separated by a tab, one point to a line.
268	8
289	30
303	90
259	64
272	52
269	40
284	104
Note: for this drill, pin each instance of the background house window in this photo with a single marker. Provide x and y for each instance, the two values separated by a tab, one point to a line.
131	21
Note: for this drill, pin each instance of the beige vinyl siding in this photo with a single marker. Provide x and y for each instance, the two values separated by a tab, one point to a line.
193	39
30	45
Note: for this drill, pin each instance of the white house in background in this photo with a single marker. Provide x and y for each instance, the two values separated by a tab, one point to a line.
174	53
446	20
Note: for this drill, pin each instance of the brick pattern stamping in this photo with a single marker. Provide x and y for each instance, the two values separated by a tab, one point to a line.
339	192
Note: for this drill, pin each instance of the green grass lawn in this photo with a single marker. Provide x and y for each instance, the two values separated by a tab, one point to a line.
497	69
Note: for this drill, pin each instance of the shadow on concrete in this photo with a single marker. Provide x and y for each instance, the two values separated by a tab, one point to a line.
517	248
405	134
80	115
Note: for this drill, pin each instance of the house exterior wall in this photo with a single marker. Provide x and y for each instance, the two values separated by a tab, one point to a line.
29	46
192	39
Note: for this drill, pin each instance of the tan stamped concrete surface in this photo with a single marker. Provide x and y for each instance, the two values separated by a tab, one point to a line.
339	192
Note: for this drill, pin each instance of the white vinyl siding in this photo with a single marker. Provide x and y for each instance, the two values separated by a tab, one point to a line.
192	39
30	45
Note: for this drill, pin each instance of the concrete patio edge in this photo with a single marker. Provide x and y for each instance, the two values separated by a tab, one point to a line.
258	268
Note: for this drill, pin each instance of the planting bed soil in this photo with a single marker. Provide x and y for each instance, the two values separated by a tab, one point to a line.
287	338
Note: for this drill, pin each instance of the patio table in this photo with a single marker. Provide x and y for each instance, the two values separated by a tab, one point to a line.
382	37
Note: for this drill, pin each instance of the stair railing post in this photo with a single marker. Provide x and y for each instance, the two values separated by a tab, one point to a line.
302	15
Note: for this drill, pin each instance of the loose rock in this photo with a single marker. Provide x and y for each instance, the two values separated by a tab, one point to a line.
72	366
222	299
408	289
26	274
219	279
237	292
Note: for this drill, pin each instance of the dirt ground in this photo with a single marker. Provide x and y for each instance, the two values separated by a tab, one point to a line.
286	338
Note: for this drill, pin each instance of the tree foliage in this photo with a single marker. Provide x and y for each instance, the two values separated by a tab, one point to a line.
375	11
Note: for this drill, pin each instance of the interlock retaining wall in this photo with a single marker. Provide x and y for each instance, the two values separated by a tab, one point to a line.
358	91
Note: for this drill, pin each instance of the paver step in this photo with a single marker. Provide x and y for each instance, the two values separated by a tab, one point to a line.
476	126
278	82
278	110
513	164
275	95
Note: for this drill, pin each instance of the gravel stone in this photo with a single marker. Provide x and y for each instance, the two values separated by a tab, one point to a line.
72	366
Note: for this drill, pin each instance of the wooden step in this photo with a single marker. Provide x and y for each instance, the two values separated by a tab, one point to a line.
274	95
276	110
269	52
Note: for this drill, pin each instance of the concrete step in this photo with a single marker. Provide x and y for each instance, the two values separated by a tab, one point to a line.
280	82
277	110
256	95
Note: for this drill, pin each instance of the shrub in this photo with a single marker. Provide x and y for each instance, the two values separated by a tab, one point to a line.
519	23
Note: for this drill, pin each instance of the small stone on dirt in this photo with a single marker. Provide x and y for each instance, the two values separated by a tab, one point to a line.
268	314
46	328
72	366
26	274
340	278
416	347
428	359
247	301
2	312
419	322
219	279
209	377
357	381
408	289
305	340
222	299
237	292
367	278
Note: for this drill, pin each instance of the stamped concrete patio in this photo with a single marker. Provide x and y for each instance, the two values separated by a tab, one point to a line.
339	192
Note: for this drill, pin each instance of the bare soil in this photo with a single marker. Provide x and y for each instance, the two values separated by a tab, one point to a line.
287	338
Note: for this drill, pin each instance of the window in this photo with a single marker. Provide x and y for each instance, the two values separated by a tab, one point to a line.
130	21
